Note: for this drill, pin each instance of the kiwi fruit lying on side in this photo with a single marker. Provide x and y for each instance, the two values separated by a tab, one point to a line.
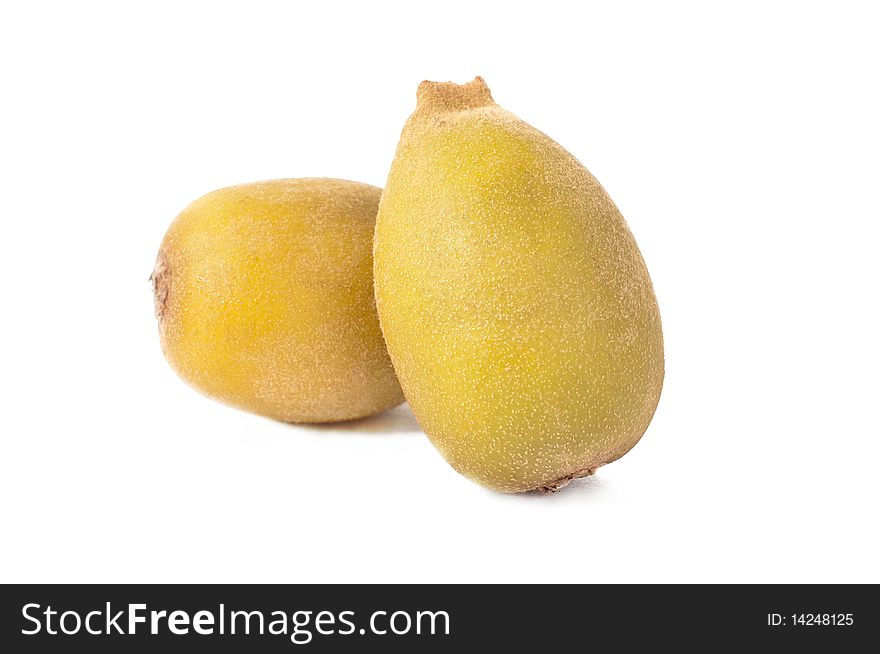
264	297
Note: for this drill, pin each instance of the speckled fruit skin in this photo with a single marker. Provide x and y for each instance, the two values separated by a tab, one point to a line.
515	304
264	296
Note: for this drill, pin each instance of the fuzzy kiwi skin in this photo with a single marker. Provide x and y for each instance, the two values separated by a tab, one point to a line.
264	298
514	301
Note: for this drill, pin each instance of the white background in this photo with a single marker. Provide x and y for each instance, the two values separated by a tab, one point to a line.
741	144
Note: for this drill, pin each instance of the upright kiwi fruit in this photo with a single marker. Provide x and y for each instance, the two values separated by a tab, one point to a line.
514	301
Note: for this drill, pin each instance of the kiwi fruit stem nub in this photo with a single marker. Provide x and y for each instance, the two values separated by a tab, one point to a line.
161	283
448	97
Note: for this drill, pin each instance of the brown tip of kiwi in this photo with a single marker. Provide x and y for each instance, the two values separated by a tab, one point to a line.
446	97
562	482
161	280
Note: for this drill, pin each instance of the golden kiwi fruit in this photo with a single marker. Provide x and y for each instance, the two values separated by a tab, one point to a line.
264	297
514	301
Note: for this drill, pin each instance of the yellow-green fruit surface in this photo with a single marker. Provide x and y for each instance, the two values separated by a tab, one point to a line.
516	306
264	296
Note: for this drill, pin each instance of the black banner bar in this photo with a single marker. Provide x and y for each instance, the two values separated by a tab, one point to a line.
435	618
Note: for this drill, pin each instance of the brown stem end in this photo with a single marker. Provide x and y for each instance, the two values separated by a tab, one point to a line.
562	482
446	97
161	280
